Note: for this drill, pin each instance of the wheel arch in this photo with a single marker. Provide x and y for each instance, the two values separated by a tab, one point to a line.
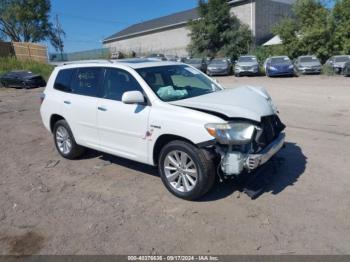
54	119
162	141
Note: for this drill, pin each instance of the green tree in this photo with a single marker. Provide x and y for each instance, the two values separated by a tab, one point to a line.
340	27
28	21
217	32
308	31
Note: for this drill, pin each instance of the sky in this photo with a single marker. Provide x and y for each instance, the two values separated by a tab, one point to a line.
87	22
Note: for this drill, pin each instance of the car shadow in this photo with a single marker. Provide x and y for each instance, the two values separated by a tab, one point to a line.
147	169
279	173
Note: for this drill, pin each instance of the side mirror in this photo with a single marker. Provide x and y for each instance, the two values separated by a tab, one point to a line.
133	97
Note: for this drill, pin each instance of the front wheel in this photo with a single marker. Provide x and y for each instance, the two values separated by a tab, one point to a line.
186	171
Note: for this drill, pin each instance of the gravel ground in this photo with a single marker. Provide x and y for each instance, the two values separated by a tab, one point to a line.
107	205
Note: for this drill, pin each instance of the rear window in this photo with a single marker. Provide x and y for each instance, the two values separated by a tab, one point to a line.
80	81
63	79
86	81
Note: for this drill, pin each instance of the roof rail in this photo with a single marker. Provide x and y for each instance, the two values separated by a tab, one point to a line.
87	62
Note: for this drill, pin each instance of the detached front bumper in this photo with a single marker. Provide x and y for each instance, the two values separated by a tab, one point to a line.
255	160
234	163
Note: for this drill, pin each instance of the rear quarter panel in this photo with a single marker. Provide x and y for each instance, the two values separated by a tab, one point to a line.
52	103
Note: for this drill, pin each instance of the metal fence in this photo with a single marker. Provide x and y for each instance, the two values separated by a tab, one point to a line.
103	53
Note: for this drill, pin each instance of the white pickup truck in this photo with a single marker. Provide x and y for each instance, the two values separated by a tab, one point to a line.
165	114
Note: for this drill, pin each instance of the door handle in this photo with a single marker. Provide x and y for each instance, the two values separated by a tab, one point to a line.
103	109
67	102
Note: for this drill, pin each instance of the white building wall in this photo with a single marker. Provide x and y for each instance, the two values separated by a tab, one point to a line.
259	15
171	42
246	14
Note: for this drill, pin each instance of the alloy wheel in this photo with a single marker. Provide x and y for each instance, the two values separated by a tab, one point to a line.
180	171
63	140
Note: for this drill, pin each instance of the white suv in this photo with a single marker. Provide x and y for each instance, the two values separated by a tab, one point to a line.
162	113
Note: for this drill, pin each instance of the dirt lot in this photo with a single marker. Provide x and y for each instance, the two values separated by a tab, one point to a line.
106	205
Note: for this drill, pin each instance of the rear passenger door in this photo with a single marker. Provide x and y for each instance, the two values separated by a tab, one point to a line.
122	128
80	104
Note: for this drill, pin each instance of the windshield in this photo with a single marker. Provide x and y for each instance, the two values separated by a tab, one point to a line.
176	82
244	59
218	62
280	60
307	59
194	61
342	59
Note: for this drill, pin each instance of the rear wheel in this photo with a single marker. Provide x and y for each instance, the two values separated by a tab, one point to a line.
186	171
65	142
3	84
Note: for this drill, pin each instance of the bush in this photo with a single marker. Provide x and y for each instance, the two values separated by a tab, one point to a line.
11	63
327	70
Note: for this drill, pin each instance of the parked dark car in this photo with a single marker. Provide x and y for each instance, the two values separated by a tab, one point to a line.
198	63
172	58
157	57
347	69
219	66
279	66
22	79
247	65
308	65
338	62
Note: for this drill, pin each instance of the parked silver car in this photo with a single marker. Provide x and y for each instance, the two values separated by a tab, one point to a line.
346	70
247	65
338	62
309	64
219	66
198	63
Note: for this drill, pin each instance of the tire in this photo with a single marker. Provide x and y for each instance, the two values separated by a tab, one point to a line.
71	150
4	84
199	180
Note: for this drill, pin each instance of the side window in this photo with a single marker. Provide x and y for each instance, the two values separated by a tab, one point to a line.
117	82
63	80
86	81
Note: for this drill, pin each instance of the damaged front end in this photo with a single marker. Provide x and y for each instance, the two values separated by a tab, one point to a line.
244	145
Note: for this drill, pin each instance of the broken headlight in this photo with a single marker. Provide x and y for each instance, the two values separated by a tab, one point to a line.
232	133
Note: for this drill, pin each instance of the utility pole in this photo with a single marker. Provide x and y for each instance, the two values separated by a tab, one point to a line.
59	33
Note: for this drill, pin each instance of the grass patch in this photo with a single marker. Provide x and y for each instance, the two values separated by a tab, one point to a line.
11	63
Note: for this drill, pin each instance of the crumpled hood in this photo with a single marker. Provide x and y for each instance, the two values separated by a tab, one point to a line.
243	102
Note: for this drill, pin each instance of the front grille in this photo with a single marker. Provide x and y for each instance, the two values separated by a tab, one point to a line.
271	128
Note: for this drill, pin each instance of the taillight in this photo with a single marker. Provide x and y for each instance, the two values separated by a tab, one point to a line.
42	97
